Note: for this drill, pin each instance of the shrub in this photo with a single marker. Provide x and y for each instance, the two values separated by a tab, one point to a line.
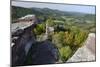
65	53
57	39
80	38
40	28
50	22
68	38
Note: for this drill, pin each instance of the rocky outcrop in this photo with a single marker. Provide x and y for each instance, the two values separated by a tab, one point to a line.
26	50
29	52
22	45
42	53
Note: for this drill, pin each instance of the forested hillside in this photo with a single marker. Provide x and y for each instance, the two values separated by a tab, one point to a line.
18	12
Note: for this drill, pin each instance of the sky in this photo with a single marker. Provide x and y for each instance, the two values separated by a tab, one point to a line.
61	7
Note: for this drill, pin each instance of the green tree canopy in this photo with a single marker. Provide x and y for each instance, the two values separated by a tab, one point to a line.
65	53
40	28
58	39
50	21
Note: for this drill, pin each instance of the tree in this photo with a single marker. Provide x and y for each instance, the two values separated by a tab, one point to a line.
50	22
68	38
40	28
57	39
80	38
65	53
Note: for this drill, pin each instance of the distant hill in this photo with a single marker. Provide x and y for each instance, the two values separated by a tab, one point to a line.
18	12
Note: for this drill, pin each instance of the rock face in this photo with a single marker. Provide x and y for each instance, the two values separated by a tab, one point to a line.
42	53
26	50
22	45
87	52
35	53
23	22
22	39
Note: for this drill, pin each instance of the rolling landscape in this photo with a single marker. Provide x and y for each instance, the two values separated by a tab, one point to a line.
50	36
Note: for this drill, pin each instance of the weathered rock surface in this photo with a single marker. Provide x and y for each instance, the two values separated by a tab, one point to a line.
26	50
87	52
42	53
